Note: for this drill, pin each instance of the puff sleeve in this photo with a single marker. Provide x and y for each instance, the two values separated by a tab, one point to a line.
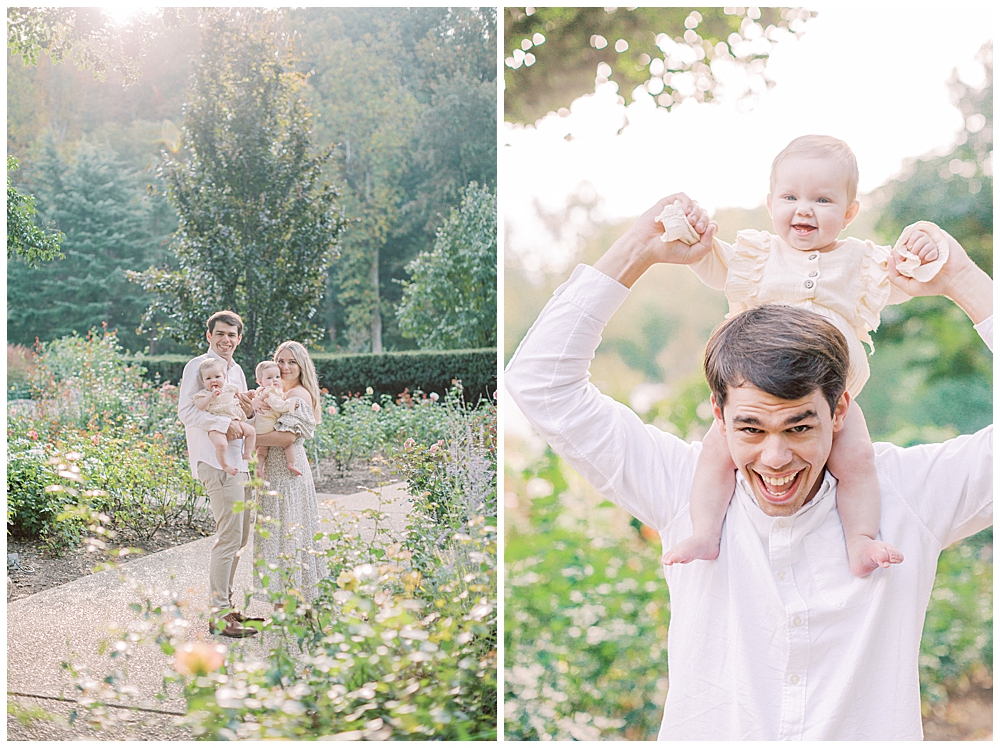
298	421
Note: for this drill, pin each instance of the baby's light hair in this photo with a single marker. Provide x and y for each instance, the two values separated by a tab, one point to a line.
262	367
210	363
826	147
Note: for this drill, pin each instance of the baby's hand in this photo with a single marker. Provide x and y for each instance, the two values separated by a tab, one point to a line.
920	244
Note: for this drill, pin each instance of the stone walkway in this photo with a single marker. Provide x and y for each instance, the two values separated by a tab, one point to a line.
70	622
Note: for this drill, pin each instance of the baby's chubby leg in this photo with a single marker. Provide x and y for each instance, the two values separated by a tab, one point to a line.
859	500
290	460
221	446
711	491
249	439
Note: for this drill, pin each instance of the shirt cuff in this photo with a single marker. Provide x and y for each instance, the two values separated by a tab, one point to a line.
590	290
985	330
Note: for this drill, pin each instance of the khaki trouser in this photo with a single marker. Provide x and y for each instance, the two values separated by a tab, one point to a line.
232	529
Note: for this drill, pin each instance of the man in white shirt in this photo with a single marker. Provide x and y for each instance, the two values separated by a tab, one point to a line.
232	528
776	639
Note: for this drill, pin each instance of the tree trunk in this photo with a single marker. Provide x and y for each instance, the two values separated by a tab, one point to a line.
376	312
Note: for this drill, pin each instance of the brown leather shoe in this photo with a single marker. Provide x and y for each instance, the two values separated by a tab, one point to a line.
243	619
233	628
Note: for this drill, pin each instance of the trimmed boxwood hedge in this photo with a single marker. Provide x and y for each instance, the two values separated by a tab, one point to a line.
386	373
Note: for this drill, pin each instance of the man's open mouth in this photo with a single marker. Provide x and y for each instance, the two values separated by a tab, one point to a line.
777	489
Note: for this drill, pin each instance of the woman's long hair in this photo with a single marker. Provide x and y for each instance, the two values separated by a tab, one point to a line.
307	372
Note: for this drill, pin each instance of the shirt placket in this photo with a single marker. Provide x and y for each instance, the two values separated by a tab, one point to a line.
793	686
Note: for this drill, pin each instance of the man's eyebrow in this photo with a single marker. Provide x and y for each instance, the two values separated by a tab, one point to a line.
790	421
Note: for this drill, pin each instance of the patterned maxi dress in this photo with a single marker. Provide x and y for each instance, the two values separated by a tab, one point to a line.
290	518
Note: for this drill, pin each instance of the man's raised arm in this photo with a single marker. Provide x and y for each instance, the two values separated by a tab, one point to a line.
960	279
640	468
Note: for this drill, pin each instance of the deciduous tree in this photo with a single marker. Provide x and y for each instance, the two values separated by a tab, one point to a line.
450	300
257	226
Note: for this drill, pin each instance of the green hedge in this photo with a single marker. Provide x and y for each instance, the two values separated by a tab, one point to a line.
386	373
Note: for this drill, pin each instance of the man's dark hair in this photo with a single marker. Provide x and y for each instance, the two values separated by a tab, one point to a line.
785	351
226	317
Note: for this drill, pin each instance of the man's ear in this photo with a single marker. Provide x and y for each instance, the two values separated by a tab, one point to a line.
840	412
208	335
717	414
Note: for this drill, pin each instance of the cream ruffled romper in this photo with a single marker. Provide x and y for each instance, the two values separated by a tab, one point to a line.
849	285
225	405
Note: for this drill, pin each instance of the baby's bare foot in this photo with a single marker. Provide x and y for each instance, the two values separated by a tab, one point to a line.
867	554
692	549
293	470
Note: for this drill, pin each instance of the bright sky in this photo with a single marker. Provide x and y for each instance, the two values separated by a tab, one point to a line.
872	75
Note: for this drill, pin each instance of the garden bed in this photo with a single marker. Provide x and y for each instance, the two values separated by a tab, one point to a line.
50	570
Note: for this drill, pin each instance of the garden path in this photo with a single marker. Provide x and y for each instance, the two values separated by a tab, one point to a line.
70	622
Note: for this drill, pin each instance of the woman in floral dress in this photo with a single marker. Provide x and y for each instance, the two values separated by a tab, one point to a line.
288	515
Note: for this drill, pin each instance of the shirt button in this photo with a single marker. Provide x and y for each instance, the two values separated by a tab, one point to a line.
813	256
782	523
796	621
813	274
781	575
809	284
794	679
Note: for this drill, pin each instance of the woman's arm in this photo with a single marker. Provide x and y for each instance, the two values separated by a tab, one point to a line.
276	439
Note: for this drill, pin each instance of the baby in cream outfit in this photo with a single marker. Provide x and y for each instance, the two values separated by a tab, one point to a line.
219	398
812	199
268	376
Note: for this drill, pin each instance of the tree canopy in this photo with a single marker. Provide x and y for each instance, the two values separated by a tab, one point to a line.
553	55
257	225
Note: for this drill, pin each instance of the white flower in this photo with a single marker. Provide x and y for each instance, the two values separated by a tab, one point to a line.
376	407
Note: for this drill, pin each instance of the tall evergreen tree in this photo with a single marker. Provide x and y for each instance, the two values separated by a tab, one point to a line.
257	229
98	204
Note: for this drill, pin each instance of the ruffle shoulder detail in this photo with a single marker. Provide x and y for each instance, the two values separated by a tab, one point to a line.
299	421
746	268
875	288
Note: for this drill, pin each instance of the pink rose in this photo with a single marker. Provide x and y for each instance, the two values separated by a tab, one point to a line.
199	658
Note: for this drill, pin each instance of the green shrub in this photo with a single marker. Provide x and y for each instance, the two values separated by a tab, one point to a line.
89	399
957	641
32	511
386	373
585	624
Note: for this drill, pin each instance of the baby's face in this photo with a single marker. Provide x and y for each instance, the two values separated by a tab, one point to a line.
808	203
213	379
270	377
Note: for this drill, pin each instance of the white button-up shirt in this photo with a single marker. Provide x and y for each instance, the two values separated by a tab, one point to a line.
775	640
197	423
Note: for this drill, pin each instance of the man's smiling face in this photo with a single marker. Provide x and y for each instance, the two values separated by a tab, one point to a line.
780	446
223	339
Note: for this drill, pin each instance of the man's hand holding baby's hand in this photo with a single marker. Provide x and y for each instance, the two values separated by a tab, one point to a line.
923	246
642	246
